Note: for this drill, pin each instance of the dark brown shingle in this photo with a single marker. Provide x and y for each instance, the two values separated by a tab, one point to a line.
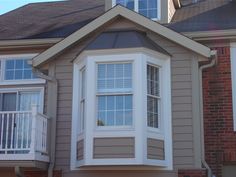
42	20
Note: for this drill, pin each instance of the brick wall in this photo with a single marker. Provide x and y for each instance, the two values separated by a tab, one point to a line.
192	173
41	174
220	139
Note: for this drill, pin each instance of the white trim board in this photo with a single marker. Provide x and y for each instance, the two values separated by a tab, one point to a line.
233	78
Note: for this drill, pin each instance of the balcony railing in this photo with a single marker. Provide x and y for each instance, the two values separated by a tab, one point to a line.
23	135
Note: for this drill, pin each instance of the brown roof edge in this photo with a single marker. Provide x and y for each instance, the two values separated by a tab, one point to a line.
20	42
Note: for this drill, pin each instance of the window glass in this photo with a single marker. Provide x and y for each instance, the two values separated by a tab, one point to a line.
114	100
21	101
18	70
148	8
127	3
82	99
115	110
114	77
28	99
152	96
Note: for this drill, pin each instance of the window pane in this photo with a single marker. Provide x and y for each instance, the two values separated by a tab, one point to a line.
18	74
153	80
19	64
10	64
127	3
114	77
9	75
148	8
18	70
114	110
27	74
152	112
28	99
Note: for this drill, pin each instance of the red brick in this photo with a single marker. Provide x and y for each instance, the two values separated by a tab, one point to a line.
220	139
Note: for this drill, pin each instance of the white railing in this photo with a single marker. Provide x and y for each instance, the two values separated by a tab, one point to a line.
23	132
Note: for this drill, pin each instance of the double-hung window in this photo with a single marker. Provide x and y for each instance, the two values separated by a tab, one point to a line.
114	94
148	8
153	96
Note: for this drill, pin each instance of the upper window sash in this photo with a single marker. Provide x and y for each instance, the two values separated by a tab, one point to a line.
148	8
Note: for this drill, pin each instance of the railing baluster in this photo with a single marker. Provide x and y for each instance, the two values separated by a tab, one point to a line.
17	130
28	130
12	129
6	143
22	130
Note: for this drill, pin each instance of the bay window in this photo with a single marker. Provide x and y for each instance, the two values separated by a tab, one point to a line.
148	8
125	109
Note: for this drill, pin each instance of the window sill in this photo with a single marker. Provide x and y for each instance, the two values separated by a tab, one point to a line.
23	82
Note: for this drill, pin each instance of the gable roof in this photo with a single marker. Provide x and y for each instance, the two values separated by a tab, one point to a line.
124	39
49	19
218	18
130	15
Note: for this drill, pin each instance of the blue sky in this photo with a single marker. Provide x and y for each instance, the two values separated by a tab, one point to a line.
8	5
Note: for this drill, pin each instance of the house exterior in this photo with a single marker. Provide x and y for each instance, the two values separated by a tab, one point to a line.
118	88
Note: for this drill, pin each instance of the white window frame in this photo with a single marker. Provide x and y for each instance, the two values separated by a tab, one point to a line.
139	59
136	8
41	90
233	79
4	58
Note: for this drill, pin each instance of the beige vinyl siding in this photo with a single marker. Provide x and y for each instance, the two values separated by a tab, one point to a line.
80	150
181	64
113	148
155	149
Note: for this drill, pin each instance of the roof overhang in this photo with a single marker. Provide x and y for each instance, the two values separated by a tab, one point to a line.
212	35
5	44
130	15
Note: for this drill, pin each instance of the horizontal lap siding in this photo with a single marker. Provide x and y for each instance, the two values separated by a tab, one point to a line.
113	148
181	63
155	149
64	75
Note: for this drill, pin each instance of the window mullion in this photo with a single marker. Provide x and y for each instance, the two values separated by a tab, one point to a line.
136	5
